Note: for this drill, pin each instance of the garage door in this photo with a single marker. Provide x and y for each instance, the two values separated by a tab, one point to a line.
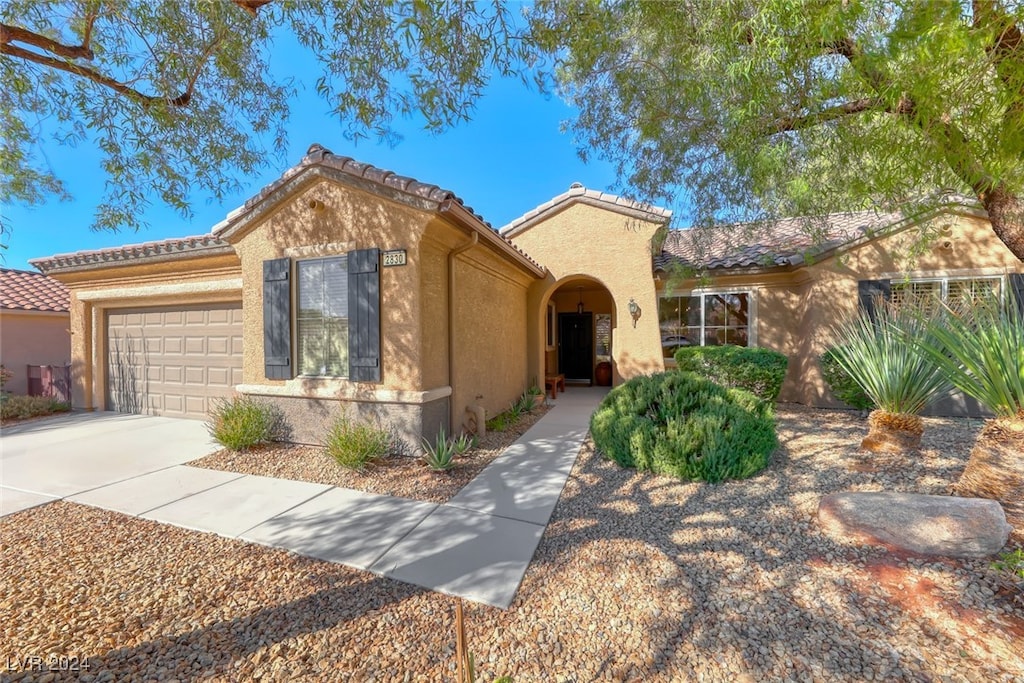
173	361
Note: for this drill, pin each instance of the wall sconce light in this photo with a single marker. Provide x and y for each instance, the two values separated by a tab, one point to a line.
579	306
634	310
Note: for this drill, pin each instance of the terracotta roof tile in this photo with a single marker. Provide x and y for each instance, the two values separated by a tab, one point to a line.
169	248
25	290
318	155
781	243
787	242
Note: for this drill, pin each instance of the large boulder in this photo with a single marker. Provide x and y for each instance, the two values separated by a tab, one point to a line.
928	525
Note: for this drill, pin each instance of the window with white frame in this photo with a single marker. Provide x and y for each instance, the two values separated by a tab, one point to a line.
951	291
321	319
704	319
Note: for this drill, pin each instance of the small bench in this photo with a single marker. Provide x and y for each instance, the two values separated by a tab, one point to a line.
554	383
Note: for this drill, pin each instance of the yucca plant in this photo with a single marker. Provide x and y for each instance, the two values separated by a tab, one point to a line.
879	353
980	346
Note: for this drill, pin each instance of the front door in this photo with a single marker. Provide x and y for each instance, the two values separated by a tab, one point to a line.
576	346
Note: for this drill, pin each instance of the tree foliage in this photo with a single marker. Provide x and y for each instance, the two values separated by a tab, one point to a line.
181	97
751	109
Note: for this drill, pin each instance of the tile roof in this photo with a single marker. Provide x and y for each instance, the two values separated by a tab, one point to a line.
578	192
784	242
316	156
787	242
174	247
319	156
25	290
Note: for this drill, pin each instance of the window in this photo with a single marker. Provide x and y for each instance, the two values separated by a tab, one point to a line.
705	319
951	291
603	334
322	319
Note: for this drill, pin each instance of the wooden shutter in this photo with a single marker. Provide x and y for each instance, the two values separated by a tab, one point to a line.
869	290
364	315
1017	290
277	319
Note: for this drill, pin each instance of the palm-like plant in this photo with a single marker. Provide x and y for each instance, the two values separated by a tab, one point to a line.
980	346
879	353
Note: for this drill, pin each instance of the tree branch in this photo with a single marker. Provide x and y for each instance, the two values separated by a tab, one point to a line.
1008	39
1006	52
117	86
952	141
790	123
11	34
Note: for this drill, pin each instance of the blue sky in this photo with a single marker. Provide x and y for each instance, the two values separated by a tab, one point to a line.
508	159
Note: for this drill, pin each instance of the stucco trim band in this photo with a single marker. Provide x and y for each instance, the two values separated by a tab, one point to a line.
170	289
306	387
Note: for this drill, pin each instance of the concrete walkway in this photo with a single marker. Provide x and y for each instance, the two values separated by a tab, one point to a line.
476	546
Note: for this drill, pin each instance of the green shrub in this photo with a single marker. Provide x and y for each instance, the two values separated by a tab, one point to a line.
20	407
883	355
843	386
1011	564
356	443
759	371
440	455
242	422
499	422
682	425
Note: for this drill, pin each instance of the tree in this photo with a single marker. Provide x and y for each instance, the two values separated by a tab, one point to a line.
180	97
758	108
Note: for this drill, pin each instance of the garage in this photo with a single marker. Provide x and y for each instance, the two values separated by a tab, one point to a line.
173	360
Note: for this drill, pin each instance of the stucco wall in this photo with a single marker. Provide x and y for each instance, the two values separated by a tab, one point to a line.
32	338
349	219
974	250
490	334
613	249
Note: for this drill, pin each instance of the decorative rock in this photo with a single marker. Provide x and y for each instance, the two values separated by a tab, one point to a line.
929	525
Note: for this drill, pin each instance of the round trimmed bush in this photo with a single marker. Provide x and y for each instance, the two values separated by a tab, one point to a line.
758	370
682	425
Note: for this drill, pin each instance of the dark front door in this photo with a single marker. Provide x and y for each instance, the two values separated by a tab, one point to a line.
576	346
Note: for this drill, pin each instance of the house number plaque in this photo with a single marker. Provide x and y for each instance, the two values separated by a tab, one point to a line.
394	257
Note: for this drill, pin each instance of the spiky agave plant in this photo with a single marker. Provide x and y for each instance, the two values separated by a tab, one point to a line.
980	346
879	353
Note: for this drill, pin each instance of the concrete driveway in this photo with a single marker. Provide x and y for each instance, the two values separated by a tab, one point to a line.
66	455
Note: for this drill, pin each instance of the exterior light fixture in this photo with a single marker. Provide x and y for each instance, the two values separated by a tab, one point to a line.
579	306
634	310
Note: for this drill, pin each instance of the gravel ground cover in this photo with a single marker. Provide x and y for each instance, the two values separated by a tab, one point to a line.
407	477
638	578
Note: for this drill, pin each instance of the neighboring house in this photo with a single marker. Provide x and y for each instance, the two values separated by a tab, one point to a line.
34	326
342	286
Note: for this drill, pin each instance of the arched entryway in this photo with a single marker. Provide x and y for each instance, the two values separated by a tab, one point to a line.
579	321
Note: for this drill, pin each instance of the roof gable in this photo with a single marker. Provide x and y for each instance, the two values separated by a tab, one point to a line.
25	290
578	194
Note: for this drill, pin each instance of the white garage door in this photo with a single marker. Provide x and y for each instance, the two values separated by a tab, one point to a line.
173	361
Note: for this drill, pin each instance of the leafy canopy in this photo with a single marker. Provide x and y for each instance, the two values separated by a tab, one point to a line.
752	109
180	97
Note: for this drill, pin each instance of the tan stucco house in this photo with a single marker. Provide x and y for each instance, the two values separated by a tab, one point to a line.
342	286
34	332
